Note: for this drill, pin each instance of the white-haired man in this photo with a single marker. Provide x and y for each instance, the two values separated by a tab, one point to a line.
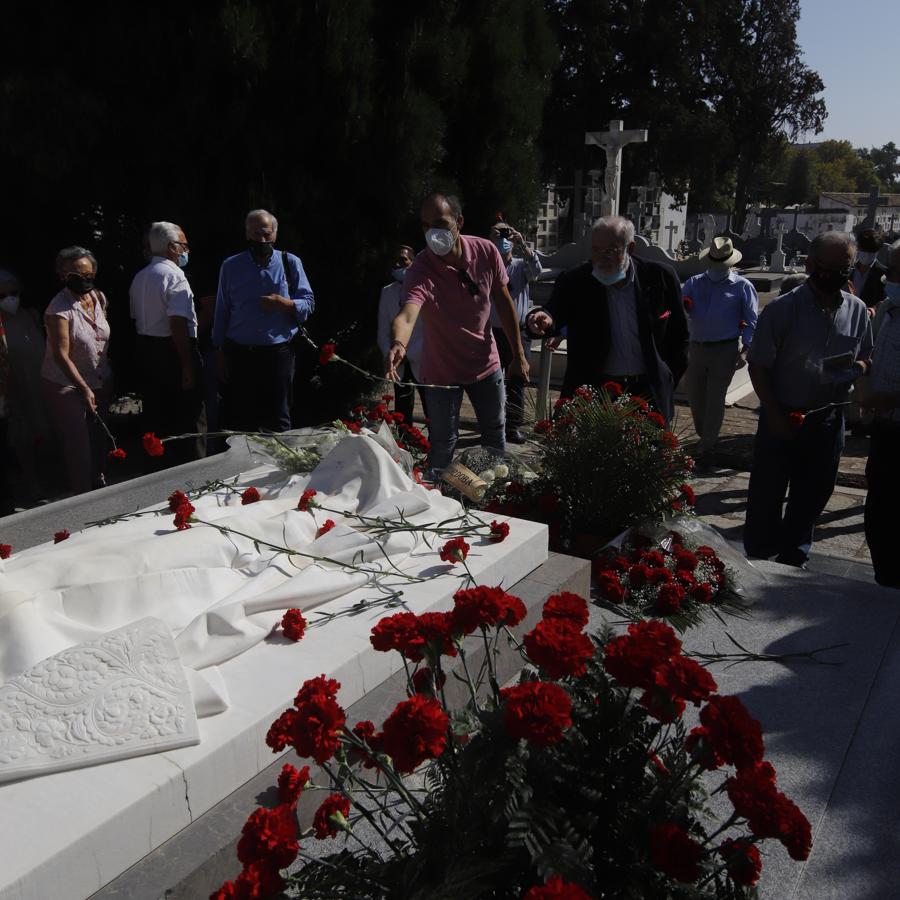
809	347
625	319
263	298
168	361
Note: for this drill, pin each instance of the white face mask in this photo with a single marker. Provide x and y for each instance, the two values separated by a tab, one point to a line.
866	257
10	304
440	240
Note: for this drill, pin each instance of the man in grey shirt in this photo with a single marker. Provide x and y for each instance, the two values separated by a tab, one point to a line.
810	345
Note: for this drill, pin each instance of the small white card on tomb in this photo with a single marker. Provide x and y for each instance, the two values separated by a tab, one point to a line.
123	695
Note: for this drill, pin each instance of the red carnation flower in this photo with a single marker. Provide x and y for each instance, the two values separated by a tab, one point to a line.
5	551
331	815
674	852
251	495
499	531
613	388
353	427
742	860
270	836
638	575
567	605
688	303
559	648
684	679
556	889
313	726
609	587
258	879
399	632
325	527
796	420
117	454
326	353
436	632
665	315
538	711
656	419
306	500
291	783
584	393
183	516
293	624
388	398
177	499
454	551
61	536
484	607
632	657
543	426
702	593
690	496
365	731
732	732
153	445
668	599
667	439
415	731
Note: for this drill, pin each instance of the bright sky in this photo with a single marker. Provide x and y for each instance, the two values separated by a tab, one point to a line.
854	45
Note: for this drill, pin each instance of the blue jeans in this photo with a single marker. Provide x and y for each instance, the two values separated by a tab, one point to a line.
488	400
805	468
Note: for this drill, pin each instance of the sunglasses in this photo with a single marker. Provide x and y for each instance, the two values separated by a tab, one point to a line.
467	282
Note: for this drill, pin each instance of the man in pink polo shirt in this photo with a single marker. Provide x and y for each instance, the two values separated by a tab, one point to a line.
454	283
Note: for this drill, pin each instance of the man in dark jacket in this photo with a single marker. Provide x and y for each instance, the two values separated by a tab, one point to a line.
624	316
867	271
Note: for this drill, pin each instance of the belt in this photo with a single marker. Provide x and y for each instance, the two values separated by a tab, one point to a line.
628	380
716	343
255	348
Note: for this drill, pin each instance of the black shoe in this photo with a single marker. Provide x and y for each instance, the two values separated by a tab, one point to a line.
792	558
514	436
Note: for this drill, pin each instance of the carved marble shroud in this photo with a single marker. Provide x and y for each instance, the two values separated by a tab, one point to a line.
122	695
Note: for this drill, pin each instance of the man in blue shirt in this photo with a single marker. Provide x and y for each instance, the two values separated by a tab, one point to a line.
722	312
521	271
263	298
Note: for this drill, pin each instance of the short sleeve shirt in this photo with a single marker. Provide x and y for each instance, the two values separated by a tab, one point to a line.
158	291
88	341
459	346
794	334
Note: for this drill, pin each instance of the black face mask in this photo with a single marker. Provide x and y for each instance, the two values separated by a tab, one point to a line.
80	284
261	251
830	281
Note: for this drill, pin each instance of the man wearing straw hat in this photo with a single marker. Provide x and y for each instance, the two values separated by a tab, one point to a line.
722	314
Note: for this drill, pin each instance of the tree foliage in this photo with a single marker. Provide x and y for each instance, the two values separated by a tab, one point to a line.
886	161
808	171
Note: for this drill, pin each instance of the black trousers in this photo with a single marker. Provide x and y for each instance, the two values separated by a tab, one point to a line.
167	408
260	387
882	501
515	387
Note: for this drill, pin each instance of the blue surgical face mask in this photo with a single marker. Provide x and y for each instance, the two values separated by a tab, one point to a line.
717	274
504	245
397	274
892	290
609	279
183	258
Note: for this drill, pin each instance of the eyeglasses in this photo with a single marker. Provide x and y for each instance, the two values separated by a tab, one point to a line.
184	244
616	250
467	282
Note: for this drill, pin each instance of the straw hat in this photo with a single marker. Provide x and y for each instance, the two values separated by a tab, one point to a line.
721	253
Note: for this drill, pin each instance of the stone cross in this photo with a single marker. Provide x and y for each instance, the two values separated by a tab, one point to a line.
874	202
612	142
777	261
672	228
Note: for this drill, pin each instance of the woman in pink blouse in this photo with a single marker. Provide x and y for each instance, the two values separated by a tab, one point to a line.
76	373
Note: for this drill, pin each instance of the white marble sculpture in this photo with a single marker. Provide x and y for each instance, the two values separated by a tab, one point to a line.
123	695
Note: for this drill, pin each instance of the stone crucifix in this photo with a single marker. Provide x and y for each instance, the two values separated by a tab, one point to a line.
612	142
672	228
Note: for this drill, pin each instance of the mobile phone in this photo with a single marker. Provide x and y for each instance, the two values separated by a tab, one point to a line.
837	362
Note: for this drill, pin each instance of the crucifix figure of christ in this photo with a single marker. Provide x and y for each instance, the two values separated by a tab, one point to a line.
874	201
612	141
